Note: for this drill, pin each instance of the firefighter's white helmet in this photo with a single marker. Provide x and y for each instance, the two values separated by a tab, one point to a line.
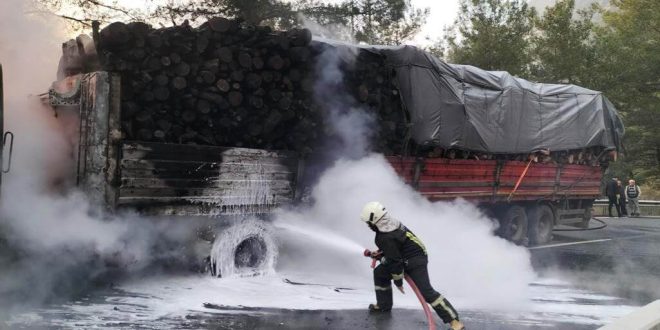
373	212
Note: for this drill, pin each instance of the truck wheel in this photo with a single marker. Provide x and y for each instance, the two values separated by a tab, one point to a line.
246	248
513	224
541	220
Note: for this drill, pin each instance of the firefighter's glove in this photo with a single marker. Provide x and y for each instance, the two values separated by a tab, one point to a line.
400	287
378	255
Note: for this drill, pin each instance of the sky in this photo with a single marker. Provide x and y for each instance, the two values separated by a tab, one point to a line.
442	13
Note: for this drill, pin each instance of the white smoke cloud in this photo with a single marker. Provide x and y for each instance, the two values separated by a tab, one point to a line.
51	244
347	123
467	262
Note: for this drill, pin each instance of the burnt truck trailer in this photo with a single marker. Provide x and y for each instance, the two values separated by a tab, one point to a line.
508	145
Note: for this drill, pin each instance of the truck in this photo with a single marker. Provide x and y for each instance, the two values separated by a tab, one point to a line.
529	183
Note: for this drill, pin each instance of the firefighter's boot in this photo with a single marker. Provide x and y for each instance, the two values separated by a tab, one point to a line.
456	325
375	309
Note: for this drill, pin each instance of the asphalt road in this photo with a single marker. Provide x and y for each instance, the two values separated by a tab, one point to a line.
620	261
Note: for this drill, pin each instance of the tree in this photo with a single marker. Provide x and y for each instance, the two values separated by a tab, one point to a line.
388	22
371	21
492	35
81	13
276	13
628	72
563	47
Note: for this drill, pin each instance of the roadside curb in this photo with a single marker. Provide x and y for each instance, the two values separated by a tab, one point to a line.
645	318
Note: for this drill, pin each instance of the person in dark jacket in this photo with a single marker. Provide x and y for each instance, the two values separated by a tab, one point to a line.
622	198
611	191
402	253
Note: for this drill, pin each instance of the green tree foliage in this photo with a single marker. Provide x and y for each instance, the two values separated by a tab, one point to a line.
276	13
370	21
492	35
628	72
617	52
562	45
387	22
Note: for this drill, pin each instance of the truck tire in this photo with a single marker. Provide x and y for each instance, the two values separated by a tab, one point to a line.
246	248
513	224
541	221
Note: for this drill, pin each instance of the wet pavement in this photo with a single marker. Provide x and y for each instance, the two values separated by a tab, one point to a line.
622	259
604	274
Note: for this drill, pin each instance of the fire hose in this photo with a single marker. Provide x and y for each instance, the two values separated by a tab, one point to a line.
376	256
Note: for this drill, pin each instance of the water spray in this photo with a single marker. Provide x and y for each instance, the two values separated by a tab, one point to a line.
377	256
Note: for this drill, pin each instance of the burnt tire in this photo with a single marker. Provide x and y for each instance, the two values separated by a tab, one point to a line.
246	248
513	224
541	221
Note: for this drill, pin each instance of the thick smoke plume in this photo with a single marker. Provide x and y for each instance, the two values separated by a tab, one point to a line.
344	119
50	244
468	263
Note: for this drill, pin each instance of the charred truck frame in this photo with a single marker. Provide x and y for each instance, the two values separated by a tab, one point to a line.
483	136
6	136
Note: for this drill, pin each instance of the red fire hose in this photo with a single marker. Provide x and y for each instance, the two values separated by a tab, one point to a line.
375	256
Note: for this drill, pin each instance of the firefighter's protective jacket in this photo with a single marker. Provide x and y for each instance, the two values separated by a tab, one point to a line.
398	245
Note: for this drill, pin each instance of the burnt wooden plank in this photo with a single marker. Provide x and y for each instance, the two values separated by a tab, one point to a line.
182	152
112	171
203	174
222	185
132	168
172	207
202	165
203	192
211	200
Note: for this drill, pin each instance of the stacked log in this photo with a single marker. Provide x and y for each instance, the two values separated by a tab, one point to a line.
227	83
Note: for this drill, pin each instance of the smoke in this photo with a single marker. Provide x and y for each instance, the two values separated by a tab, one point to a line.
51	244
327	31
468	263
346	122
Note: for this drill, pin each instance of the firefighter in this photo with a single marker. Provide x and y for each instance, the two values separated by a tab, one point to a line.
402	253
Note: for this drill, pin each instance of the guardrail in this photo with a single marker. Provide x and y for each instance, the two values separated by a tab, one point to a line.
647	207
641	202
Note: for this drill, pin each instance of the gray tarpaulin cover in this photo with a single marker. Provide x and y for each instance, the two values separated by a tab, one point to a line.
465	107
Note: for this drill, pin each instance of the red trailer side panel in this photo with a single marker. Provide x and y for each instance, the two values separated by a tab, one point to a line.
490	181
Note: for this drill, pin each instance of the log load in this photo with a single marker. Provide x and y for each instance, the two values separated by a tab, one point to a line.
227	83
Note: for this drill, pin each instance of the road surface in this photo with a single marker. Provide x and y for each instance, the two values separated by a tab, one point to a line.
604	274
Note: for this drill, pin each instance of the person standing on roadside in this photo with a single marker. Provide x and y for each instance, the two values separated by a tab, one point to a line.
611	191
633	192
622	198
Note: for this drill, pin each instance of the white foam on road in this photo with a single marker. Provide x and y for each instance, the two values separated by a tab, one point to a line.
168	300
